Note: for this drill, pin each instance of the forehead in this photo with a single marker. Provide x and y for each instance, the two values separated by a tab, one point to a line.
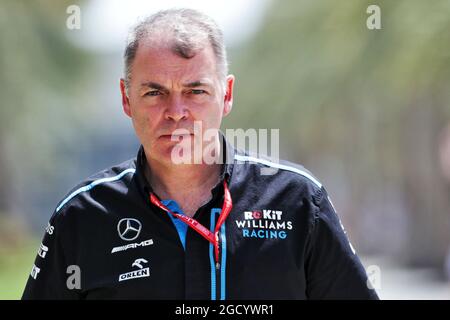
158	61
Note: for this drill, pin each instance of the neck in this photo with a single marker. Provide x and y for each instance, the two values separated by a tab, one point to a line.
168	181
189	185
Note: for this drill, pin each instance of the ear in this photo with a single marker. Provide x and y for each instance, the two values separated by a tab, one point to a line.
125	99
228	98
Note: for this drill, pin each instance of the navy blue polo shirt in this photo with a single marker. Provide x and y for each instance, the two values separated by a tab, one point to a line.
282	240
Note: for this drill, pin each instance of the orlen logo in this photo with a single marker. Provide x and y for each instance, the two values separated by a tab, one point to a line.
140	273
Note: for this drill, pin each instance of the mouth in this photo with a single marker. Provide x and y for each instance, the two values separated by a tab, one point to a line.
176	136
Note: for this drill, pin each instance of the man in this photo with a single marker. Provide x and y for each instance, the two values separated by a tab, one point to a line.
171	225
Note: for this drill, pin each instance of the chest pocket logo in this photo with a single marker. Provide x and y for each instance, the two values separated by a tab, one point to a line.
264	224
129	229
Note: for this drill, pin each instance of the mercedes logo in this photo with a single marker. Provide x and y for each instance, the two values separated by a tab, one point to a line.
129	229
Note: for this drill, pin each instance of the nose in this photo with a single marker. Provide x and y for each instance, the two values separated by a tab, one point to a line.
176	110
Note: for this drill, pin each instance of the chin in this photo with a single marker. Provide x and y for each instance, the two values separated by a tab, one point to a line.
173	155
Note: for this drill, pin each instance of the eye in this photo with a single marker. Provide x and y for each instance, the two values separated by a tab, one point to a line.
198	91
153	93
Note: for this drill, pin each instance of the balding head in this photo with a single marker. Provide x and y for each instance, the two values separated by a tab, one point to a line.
183	31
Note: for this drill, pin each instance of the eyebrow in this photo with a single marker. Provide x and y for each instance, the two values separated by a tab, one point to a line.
198	83
193	84
154	85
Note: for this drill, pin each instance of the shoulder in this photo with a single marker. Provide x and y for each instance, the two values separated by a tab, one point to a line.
287	183
114	178
279	172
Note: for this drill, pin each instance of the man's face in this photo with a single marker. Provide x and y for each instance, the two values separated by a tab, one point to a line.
169	92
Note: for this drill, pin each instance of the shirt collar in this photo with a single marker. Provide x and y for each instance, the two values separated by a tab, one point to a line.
228	153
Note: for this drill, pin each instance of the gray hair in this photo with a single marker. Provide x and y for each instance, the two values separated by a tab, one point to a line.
185	31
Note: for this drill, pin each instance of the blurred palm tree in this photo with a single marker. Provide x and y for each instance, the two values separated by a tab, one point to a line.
362	109
41	71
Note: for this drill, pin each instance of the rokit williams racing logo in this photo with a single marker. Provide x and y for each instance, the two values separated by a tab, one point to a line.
264	224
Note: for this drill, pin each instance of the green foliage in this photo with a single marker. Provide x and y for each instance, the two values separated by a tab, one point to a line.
39	64
363	109
15	267
315	63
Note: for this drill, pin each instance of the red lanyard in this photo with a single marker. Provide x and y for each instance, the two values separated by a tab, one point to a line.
194	224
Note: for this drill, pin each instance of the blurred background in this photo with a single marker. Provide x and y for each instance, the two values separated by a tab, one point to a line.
367	111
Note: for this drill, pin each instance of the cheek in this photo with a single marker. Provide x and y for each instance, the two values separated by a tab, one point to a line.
211	108
143	123
211	118
217	112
